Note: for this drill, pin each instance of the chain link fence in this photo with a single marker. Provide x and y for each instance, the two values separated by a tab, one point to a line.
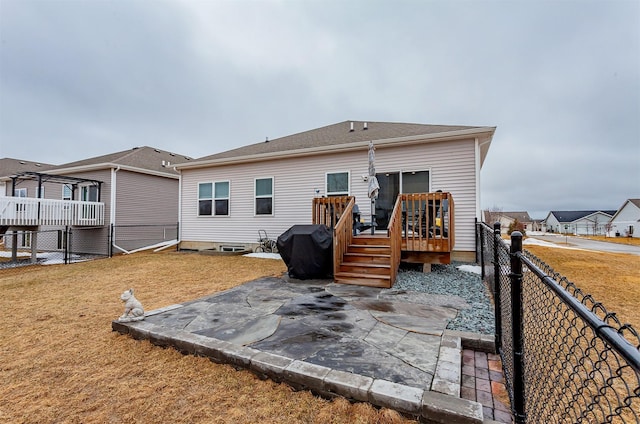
74	244
128	238
566	358
55	246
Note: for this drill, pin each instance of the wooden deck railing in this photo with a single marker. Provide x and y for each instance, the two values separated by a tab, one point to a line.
394	232
427	222
336	213
327	210
25	211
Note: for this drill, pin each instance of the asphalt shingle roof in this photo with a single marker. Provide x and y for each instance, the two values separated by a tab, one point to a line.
338	134
570	216
10	167
144	157
520	216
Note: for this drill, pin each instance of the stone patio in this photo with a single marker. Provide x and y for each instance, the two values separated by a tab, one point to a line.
383	346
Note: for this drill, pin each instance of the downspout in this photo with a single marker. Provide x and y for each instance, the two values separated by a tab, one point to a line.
112	206
112	209
478	169
178	238
478	208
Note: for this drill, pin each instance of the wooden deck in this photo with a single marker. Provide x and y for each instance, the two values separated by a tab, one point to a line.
420	230
30	212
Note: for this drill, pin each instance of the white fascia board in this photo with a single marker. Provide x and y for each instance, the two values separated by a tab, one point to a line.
381	143
109	165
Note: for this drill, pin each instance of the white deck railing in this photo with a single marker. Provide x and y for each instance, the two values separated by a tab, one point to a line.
24	211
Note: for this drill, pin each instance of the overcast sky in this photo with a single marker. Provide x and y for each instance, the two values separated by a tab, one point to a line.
559	79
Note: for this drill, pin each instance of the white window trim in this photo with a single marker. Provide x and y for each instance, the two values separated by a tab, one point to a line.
415	170
213	199
70	192
198	199
85	192
337	193
20	190
228	199
272	197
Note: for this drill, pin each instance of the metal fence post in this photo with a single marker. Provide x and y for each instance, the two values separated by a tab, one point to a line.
65	242
497	300
516	317
110	242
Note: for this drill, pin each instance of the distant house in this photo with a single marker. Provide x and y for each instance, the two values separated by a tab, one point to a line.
99	197
506	219
592	222
229	196
626	221
9	166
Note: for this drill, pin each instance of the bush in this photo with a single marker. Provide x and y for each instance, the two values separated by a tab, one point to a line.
516	226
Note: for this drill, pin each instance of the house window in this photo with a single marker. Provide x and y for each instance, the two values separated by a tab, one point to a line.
415	182
20	192
25	239
66	192
213	199
338	184
264	196
205	199
62	239
89	193
221	198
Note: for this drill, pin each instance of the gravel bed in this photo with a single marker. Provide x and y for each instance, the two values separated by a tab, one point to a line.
451	281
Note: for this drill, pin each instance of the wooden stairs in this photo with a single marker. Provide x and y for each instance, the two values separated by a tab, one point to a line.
367	262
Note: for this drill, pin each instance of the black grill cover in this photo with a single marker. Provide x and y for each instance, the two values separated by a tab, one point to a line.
308	251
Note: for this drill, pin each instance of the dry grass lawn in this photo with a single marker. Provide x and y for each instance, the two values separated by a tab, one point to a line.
61	363
634	241
611	278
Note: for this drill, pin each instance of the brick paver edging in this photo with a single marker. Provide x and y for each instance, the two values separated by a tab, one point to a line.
428	406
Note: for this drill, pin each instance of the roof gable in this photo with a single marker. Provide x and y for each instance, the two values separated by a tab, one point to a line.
342	134
141	158
570	216
520	216
9	166
634	202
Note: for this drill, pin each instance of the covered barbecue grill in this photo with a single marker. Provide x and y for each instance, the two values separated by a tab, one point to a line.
307	250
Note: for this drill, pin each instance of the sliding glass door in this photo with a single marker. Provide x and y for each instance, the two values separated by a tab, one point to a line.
392	184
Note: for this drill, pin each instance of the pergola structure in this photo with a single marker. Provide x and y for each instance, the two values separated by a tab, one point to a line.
71	182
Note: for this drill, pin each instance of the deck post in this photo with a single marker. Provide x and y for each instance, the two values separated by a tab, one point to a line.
14	246
34	247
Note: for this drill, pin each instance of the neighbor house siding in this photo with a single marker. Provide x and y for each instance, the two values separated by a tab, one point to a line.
90	240
451	165
628	216
145	199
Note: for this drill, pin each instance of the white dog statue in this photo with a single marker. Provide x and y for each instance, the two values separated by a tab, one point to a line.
133	310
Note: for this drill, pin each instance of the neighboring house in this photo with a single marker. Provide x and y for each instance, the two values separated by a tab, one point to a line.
227	197
593	222
506	219
10	167
120	200
626	221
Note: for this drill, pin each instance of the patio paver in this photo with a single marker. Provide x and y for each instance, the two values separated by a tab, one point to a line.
367	344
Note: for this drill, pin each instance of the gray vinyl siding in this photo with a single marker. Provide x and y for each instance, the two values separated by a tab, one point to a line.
452	166
145	199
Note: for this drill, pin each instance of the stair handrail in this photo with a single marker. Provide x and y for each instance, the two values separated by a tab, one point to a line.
343	234
394	232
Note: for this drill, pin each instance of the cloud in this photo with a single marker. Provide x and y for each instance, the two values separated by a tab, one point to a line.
559	79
